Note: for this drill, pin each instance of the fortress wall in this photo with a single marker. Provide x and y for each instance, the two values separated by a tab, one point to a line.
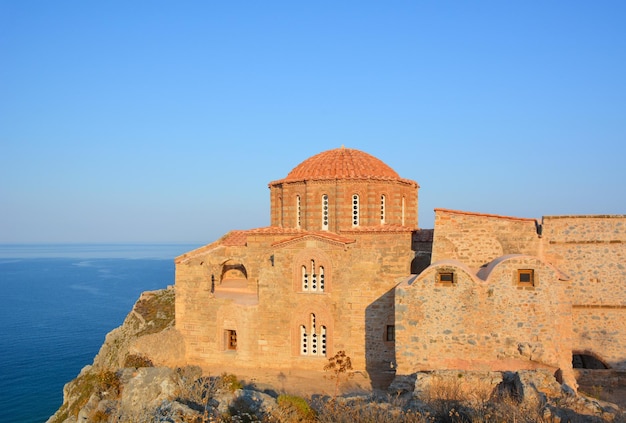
476	239
478	325
601	332
591	250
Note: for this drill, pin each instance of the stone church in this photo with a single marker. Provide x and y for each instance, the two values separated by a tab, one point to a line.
345	266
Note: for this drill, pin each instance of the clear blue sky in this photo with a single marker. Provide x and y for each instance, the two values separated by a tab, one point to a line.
163	121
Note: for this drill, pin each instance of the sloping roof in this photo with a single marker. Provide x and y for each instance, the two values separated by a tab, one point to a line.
239	238
322	235
497	216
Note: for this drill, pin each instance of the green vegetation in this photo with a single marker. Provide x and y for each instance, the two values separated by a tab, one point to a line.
295	409
214	399
80	390
231	382
157	310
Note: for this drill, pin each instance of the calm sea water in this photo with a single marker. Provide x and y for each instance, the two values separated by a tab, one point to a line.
57	303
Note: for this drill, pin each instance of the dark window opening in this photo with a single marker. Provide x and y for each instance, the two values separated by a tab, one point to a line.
526	277
391	333
445	277
231	340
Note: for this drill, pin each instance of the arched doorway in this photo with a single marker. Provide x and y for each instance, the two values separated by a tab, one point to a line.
586	360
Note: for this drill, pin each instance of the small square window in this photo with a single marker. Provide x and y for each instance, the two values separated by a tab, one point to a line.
391	333
526	277
446	278
231	340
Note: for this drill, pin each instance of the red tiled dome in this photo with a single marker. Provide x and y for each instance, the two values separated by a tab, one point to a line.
341	163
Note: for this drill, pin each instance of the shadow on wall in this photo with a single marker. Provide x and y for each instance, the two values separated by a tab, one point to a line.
380	349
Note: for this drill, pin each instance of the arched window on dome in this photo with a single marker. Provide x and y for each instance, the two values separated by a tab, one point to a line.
298	213
382	209
325	212
355	210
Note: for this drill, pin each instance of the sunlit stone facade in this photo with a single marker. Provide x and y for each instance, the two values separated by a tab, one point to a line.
344	266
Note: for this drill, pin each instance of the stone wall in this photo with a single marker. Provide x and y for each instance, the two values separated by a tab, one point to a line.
400	203
484	323
600	331
355	307
591	250
476	239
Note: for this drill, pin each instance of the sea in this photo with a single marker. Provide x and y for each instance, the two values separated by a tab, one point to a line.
57	303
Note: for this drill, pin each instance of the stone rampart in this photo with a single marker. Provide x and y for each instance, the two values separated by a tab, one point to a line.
592	251
476	239
484	323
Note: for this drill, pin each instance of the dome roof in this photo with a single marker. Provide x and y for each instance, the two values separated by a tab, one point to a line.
341	163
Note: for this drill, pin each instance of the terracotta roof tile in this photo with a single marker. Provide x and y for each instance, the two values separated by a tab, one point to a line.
235	239
379	229
341	163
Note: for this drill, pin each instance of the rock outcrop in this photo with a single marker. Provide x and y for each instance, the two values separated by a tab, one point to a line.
147	338
140	375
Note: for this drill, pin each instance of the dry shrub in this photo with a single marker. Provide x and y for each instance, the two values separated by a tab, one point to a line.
365	411
231	382
196	391
108	381
292	408
99	416
339	366
136	360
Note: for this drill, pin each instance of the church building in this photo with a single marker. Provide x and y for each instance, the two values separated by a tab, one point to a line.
345	266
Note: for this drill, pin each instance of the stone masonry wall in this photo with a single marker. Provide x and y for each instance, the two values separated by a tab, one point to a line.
491	324
285	211
476	239
356	306
600	331
591	250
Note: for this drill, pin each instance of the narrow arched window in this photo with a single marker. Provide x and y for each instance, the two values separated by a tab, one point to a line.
313	340
325	212
298	212
305	279
313	276
304	341
355	210
382	209
402	211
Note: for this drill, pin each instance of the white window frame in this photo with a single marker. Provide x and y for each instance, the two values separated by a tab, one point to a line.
355	210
